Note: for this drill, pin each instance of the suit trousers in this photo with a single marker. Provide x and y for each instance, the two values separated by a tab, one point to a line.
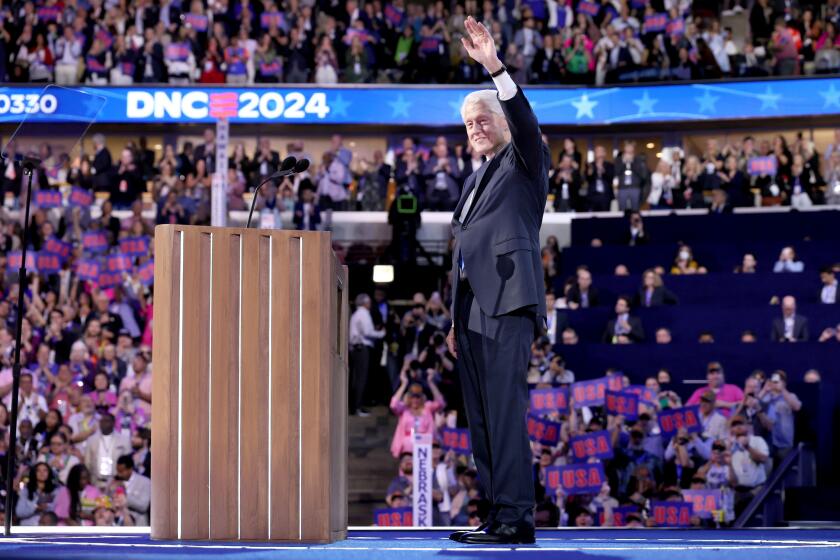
359	368
493	373
629	198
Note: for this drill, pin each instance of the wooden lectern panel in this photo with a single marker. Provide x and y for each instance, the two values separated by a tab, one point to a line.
249	386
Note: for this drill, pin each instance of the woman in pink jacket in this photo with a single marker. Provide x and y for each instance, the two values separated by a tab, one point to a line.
414	411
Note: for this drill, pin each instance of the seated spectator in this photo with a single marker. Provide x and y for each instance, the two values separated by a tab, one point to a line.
706	337
621	270
790	327
748	265
414	411
684	262
727	396
663	336
623	325
400	487
38	496
582	294
748	337
569	336
828	293
75	503
720	203
787	262
653	292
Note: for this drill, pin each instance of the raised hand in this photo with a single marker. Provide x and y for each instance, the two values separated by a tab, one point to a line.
480	45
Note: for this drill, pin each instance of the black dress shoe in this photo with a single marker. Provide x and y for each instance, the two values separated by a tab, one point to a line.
501	533
456	536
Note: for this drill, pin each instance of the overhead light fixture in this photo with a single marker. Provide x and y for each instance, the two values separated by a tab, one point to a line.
650	145
659	155
383	273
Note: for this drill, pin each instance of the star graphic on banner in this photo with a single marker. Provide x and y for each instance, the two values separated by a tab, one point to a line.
707	102
339	105
645	104
769	100
456	106
584	107
399	107
832	97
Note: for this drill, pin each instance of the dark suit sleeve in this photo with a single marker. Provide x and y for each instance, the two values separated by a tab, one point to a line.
777	331
669	297
637	332
608	332
804	334
525	132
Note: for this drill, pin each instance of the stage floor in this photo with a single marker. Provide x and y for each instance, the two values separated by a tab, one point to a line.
647	544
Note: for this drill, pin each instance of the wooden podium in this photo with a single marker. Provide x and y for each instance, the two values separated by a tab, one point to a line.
249	407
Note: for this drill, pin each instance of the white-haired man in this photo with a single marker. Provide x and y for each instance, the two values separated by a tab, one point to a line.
362	334
498	301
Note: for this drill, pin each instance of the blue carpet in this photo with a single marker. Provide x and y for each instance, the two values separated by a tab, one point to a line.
650	544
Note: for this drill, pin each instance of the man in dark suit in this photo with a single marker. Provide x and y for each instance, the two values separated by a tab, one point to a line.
623	325
582	294
600	181
498	294
790	327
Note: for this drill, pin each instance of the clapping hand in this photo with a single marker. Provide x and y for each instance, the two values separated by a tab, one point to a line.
480	45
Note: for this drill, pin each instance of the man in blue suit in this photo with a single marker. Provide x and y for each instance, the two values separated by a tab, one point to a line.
498	292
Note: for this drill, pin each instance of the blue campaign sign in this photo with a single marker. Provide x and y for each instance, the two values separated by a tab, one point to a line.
593	444
576	479
704	502
433	106
624	403
543	431
147	273
671	514
393	517
590	393
619	515
646	395
672	419
550	400
456	439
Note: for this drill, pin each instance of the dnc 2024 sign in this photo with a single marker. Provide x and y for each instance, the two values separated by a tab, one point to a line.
430	106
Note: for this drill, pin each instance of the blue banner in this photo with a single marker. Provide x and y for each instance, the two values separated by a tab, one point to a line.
433	106
672	419
590	393
14	258
646	395
47	263
593	444
550	400
47	199
95	241
88	269
456	439
58	247
147	273
620	514
764	165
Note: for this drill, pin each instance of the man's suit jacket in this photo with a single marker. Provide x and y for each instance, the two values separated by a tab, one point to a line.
636	334
499	237
574	295
660	296
800	328
120	445
138	490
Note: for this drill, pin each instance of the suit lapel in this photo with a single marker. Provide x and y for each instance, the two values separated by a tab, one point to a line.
484	176
464	196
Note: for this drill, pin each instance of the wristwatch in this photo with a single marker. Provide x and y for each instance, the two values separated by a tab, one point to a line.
499	71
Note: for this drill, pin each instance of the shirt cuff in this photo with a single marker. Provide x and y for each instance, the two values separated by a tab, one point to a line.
505	85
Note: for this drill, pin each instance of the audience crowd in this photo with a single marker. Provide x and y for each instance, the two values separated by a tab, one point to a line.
297	41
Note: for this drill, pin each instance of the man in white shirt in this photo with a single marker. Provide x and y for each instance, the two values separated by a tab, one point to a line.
31	405
828	294
102	451
362	334
749	454
68	52
138	490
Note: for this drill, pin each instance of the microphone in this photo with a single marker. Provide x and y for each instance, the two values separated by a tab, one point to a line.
290	166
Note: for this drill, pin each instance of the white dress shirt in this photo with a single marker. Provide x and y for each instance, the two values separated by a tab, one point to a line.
362	330
829	293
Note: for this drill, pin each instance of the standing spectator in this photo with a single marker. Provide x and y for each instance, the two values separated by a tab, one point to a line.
237	60
662	187
103	449
599	179
128	184
102	165
749	453
787	261
714	423
727	396
781	405
784	49
565	186
441	172
332	195
415	413
98	64
631	176
362	335
68	54
41	60
790	327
